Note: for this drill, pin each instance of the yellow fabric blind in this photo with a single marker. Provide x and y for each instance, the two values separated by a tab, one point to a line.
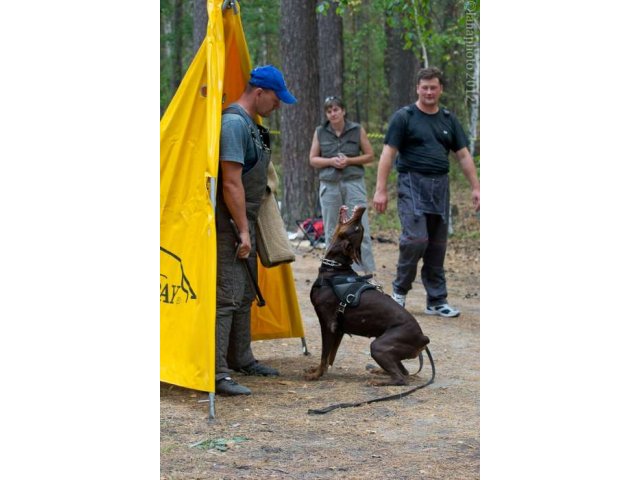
189	147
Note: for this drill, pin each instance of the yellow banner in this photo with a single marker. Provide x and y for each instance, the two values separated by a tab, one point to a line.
189	147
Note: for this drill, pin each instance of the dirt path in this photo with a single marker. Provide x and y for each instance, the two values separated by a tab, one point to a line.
432	433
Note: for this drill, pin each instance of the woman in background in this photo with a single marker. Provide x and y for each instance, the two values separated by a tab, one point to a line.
339	150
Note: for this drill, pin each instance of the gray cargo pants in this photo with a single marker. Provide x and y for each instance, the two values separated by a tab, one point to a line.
350	193
424	235
233	307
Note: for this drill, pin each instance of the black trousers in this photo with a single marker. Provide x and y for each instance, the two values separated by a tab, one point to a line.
424	235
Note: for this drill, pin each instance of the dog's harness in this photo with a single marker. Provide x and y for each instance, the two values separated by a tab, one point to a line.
348	288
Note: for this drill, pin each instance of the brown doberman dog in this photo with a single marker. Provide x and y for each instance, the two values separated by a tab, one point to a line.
347	303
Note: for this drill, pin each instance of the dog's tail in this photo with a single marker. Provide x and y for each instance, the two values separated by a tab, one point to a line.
421	360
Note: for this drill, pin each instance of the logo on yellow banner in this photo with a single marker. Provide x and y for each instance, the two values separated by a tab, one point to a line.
174	284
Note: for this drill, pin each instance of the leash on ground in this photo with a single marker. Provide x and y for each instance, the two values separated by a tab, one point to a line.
321	411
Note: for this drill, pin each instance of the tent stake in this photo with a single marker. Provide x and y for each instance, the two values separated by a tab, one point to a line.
304	346
212	408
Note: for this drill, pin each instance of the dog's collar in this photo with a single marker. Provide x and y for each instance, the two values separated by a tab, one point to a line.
331	263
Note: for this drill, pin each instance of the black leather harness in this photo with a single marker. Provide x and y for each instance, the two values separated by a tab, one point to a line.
347	288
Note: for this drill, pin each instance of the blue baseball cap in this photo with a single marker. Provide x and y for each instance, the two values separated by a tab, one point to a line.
271	78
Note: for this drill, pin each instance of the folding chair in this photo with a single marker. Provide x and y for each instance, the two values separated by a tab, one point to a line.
312	229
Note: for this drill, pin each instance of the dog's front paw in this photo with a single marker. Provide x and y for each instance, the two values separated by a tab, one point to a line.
312	373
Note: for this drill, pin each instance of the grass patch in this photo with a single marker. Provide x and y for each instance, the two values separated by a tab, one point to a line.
469	235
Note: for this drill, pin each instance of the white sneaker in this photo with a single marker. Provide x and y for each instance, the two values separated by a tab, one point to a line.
399	298
444	310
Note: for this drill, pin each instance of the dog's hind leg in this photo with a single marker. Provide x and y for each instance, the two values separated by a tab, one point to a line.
379	371
382	351
371	368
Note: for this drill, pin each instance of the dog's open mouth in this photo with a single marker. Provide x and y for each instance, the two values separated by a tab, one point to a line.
348	234
356	214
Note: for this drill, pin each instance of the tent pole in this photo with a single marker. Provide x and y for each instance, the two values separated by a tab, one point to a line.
212	408
304	346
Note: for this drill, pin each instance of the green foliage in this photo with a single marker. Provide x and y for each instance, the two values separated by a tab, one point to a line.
220	444
380	224
364	77
444	24
448	28
323	7
261	23
440	25
343	6
173	36
465	235
456	176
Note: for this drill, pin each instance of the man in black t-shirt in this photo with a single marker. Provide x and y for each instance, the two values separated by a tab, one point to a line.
419	138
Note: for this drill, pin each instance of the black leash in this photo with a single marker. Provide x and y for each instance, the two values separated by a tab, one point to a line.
320	411
252	278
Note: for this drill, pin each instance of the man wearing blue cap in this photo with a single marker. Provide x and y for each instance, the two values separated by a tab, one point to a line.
242	182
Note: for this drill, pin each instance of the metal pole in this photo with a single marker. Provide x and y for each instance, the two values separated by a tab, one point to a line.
212	407
304	347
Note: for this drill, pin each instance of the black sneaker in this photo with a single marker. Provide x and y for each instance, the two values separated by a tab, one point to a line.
227	386
257	368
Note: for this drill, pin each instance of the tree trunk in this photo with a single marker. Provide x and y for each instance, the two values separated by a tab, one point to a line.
264	44
330	55
472	82
165	59
356	75
176	76
474	107
400	68
364	91
299	51
420	35
200	19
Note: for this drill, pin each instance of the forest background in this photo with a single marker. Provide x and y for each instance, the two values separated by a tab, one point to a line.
341	47
83	72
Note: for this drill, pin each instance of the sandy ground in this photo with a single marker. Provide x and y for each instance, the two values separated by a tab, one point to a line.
432	433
